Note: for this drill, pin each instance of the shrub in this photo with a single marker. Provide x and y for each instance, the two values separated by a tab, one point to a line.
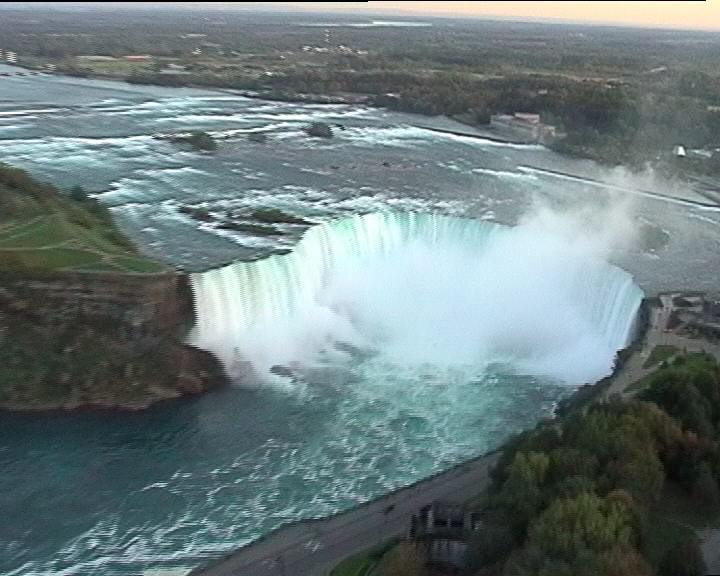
683	559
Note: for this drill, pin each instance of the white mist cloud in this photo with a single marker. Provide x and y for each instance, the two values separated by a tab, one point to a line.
435	291
595	230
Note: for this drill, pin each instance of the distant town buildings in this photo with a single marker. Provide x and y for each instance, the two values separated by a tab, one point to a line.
341	49
11	57
104	58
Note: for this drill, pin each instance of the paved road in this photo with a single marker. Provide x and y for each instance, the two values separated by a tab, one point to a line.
710	538
314	547
657	333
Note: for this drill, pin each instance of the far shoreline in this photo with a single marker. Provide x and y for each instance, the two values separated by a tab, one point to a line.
423	122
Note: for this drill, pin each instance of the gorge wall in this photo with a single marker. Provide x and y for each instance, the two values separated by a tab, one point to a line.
70	339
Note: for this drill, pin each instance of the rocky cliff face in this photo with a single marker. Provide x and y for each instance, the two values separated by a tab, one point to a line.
70	339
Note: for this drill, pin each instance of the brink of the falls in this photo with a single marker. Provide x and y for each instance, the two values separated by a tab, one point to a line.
421	289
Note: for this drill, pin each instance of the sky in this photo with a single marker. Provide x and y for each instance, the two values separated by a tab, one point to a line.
689	14
668	14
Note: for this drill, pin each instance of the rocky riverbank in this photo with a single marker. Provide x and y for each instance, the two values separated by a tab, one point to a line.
103	340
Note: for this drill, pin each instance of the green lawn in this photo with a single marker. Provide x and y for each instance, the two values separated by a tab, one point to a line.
138	264
361	563
57	233
18	232
660	353
96	267
641	384
57	258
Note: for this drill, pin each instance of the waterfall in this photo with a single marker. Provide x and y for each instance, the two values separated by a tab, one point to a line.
421	288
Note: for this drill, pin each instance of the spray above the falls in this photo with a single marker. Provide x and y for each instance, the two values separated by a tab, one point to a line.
424	289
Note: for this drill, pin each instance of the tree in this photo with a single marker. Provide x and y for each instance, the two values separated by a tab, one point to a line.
482	116
586	522
682	459
683	559
521	494
566	462
674	389
532	561
78	193
642	475
572	486
487	546
625	562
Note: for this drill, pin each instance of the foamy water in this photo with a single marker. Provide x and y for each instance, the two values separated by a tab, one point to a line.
184	482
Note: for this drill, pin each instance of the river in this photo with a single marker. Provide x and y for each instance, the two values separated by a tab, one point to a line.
185	481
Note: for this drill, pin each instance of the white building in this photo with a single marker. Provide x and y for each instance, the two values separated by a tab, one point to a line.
679	151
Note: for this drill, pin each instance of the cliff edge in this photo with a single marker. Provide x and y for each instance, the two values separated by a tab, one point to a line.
85	319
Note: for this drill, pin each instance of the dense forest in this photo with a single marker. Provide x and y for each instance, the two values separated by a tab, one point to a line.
588	495
616	487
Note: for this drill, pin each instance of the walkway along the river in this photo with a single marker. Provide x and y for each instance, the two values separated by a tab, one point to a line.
314	547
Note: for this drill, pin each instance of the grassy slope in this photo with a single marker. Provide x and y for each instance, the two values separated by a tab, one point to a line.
42	229
660	353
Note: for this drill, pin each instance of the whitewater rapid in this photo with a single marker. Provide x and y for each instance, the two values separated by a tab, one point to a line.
420	289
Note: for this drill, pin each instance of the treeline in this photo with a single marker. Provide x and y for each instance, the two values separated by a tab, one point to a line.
609	121
576	497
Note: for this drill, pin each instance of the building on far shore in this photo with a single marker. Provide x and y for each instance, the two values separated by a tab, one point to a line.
524	125
679	151
175	69
95	58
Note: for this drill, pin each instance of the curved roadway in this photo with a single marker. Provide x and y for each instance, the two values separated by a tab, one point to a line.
314	547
